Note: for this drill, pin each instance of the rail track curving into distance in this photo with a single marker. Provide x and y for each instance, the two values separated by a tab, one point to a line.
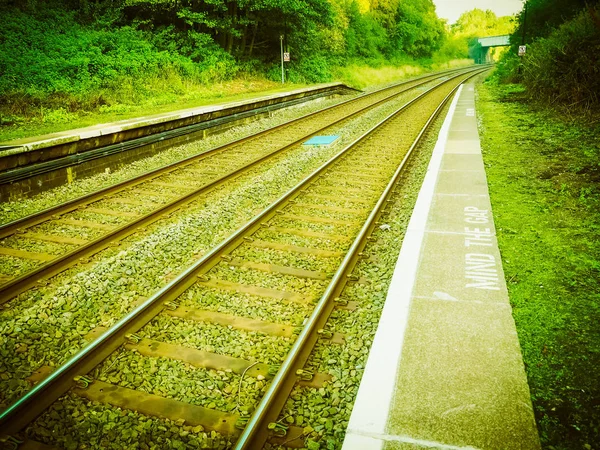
296	256
39	246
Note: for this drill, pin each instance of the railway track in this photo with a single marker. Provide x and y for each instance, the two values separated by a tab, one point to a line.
295	259
37	247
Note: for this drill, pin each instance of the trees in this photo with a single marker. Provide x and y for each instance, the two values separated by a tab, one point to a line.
565	66
87	45
543	16
479	23
563	43
475	24
412	27
418	30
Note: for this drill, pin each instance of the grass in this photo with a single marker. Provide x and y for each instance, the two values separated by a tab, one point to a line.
361	75
130	104
543	171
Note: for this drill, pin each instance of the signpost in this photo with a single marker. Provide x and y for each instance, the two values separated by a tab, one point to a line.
282	75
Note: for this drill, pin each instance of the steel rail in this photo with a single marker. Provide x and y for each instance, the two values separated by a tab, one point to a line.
42	395
256	432
36	276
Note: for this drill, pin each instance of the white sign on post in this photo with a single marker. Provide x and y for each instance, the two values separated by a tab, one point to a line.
522	50
286	56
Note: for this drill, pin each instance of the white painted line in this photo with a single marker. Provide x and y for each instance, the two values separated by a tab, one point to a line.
441	194
499	303
418	442
462	170
128	124
459	233
361	442
110	130
88	134
371	408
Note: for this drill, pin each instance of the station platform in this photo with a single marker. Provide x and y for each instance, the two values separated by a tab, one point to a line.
168	120
31	165
445	370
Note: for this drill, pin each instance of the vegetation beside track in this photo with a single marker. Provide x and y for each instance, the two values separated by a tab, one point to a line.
543	176
52	119
73	63
561	63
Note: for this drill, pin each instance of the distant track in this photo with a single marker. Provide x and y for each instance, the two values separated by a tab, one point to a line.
39	246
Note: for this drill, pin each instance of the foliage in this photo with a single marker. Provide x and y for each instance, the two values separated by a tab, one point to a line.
452	47
418	30
365	37
564	68
62	57
561	66
507	69
479	23
49	53
543	16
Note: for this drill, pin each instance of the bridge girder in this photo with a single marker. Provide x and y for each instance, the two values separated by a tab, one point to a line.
488	42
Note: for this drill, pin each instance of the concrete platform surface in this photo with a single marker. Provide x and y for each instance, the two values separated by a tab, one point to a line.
40	142
446	370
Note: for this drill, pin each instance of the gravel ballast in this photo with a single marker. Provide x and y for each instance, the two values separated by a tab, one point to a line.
171	246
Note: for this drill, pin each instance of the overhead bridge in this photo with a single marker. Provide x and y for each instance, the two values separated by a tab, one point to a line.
483	56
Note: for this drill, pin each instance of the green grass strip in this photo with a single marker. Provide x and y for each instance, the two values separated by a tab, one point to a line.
544	177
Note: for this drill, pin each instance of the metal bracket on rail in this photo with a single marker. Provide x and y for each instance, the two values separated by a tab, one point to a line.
305	375
13	441
327	334
278	429
357	279
82	381
340	301
171	306
240	424
133	338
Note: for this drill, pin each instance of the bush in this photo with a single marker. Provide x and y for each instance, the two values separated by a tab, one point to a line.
313	69
49	54
507	69
453	47
565	67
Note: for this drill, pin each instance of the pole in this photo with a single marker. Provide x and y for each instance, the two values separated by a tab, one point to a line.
282	75
523	37
524	24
